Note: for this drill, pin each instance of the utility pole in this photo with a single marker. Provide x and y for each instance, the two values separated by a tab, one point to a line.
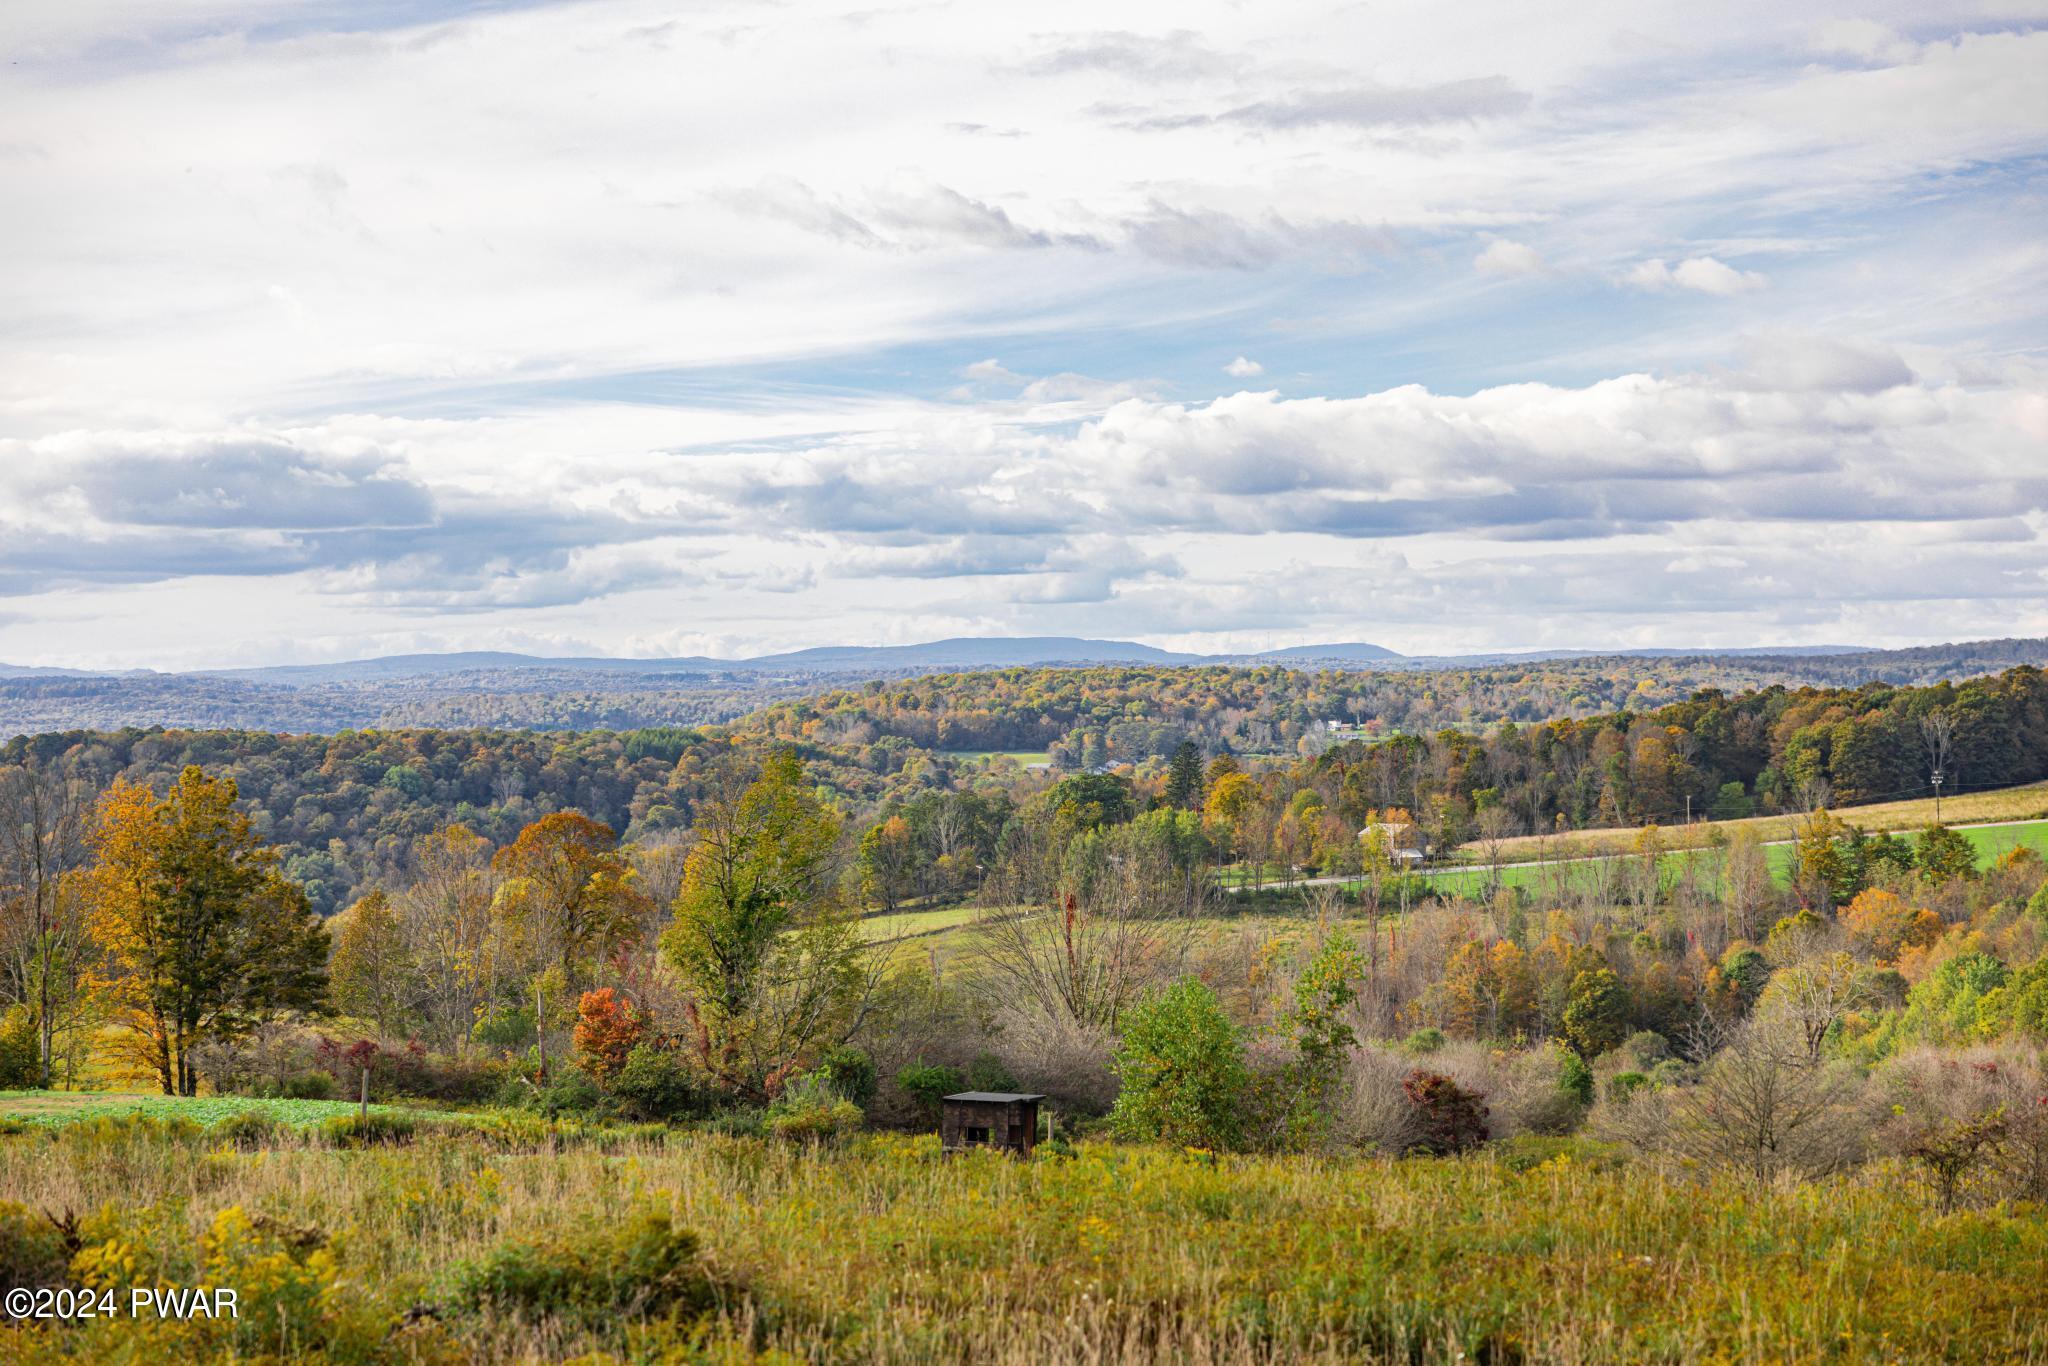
1688	808
1937	728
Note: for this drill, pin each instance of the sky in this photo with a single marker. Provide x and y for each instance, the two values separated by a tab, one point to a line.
341	329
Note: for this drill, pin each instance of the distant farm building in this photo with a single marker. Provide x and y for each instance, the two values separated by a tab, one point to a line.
1005	1120
1403	842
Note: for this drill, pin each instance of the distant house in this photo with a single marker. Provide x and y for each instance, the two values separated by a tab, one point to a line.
1004	1120
1406	847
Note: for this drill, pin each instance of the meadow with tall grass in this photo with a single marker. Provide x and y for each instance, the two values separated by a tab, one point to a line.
524	1240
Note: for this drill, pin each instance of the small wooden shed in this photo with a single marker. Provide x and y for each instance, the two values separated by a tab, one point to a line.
989	1119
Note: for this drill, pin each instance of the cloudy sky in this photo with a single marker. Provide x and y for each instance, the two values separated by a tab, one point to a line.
331	329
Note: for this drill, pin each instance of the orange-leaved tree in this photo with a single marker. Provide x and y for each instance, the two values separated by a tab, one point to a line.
608	1025
1885	924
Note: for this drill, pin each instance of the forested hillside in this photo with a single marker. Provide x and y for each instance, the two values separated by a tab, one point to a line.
1020	707
525	699
346	808
1122	714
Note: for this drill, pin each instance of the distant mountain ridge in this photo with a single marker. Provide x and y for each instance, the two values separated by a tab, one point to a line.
506	690
960	652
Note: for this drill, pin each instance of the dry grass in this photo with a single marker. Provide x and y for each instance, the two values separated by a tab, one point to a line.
883	1252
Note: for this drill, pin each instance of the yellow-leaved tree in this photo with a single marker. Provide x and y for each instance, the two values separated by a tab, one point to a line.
202	937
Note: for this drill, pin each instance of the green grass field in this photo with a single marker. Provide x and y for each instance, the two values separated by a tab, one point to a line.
2024	803
1026	757
1579	871
54	1109
916	924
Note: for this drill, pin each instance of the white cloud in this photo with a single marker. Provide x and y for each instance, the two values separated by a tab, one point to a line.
1798	362
1815	450
991	371
1863	38
1701	273
1503	257
309	330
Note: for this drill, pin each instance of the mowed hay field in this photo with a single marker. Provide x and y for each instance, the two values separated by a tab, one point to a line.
2028	803
950	934
1581	870
463	1248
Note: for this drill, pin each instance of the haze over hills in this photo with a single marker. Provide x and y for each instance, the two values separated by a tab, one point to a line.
966	652
496	689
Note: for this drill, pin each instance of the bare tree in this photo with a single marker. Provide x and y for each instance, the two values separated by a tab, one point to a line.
1745	884
454	939
1813	793
43	820
1495	824
1762	1108
1099	942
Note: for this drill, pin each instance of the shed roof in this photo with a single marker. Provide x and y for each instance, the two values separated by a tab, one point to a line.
1000	1097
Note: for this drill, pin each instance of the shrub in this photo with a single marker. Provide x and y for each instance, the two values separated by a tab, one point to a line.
1052	1052
930	1085
32	1249
642	1266
396	1071
568	1090
1543	1090
2037	906
1622	1085
1449	1119
1575	1079
504	1027
745	1122
1372	1111
21	1055
1057	1148
815	1121
1673	1072
377	1129
850	1072
654	1084
249	1130
303	1086
608	1028
459	1081
1182	1068
1642	1050
987	1073
1423	1041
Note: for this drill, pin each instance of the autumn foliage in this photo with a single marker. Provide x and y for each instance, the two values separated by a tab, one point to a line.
608	1025
1885	924
1449	1118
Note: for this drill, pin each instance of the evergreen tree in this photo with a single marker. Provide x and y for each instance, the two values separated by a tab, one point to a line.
1184	779
1945	854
